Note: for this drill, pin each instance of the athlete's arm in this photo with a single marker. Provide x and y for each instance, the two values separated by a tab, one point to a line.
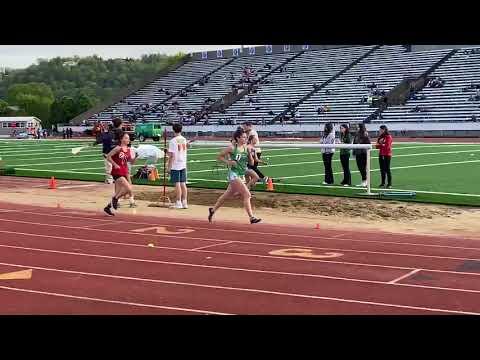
115	150
223	156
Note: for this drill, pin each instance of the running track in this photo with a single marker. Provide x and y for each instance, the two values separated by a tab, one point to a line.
86	263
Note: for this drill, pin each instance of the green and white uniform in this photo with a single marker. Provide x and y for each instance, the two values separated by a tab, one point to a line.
238	170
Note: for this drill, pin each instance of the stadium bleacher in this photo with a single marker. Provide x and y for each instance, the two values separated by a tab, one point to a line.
448	103
290	79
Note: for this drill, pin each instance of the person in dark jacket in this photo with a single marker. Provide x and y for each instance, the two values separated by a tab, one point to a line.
106	139
384	144
117	131
345	138
361	137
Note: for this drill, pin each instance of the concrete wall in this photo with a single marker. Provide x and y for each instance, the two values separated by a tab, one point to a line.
261	50
439	47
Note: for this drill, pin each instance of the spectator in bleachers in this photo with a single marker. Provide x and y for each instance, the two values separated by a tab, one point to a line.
473	118
359	78
316	86
372	85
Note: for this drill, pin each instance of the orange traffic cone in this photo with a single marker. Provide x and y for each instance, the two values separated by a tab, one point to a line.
270	185
157	176
52	183
151	176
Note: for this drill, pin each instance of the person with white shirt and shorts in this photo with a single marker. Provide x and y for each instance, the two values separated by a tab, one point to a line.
177	166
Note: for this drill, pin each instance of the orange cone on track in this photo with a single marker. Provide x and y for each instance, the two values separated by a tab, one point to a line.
52	183
157	177
270	185
151	176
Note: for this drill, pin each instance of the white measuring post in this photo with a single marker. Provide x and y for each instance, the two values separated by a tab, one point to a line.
369	177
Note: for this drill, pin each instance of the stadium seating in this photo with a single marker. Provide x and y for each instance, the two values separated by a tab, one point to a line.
291	77
447	103
386	67
313	67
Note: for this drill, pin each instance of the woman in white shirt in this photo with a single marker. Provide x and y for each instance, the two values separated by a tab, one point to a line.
327	153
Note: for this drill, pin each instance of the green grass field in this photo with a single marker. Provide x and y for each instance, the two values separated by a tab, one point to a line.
439	173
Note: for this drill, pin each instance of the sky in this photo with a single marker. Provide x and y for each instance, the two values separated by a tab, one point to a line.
21	56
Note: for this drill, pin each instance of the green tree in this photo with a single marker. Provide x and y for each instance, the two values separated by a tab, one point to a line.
3	107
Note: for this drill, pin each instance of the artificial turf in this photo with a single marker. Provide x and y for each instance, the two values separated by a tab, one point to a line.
438	173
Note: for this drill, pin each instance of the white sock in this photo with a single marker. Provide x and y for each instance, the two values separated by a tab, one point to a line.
131	200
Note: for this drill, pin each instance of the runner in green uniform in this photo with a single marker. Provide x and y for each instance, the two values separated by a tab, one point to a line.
237	158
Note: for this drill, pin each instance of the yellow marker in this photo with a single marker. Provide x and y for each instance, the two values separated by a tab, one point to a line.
151	245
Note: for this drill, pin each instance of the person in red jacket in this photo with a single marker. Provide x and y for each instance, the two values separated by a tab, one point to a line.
384	144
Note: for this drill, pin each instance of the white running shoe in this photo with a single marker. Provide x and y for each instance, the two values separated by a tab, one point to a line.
184	205
177	205
364	184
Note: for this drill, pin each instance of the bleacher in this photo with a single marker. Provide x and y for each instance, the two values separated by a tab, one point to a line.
172	82
448	103
386	66
312	67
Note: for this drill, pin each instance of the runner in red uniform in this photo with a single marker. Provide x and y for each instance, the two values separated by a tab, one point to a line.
119	158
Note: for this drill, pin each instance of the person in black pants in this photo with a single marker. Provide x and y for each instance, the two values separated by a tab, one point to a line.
384	144
361	137
345	138
252	142
327	153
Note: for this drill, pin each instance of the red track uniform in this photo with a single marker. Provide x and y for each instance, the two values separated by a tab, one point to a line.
121	159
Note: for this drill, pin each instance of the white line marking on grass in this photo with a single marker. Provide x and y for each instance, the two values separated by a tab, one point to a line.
351	187
29	157
61	171
393	168
404	276
59	163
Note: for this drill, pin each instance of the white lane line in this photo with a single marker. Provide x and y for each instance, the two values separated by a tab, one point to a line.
209	246
405	276
316	237
283	258
252	290
111	301
179	236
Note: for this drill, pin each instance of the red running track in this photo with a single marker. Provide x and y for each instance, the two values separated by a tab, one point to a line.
86	263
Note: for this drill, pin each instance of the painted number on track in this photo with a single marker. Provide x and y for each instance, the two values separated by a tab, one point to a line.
304	253
163	230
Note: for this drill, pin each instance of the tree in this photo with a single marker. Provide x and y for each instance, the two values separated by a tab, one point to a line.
3	107
87	81
83	103
34	98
